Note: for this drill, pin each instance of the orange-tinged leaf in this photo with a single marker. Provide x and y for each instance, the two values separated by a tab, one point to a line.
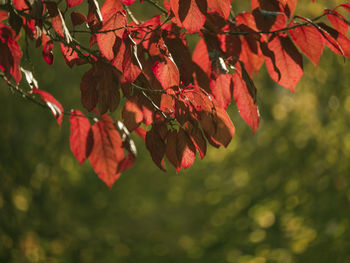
285	63
221	88
309	40
55	107
337	20
246	103
166	73
185	150
80	135
190	13
336	41
107	151
106	41
222	7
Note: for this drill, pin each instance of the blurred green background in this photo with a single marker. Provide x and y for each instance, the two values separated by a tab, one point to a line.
280	195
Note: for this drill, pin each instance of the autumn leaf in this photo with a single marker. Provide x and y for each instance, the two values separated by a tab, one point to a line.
243	93
190	13
81	138
309	40
222	7
72	3
55	107
107	150
285	63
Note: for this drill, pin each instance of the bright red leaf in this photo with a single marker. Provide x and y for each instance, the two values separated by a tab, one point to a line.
81	138
190	13
55	107
72	3
107	150
285	63
309	40
243	93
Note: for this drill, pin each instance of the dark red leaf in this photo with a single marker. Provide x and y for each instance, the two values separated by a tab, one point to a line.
170	150
156	146
88	88
132	115
80	129
10	54
57	21
77	19
55	107
197	138
107	151
185	150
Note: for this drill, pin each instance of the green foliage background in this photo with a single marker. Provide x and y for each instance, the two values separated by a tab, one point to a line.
280	195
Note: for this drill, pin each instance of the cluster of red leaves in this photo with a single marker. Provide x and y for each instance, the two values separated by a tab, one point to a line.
175	101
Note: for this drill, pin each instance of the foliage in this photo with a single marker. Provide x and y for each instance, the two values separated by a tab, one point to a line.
174	100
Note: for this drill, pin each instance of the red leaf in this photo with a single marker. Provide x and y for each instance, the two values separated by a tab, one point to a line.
337	20
128	2
3	15
70	56
170	150
77	19
156	146
285	64
309	40
201	56
167	73
57	21
346	6
55	107
107	151
190	13
88	88
132	115
80	136
20	4
106	41
222	7
185	150
47	50
245	100
221	88
72	3
335	40
198	140
10	54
